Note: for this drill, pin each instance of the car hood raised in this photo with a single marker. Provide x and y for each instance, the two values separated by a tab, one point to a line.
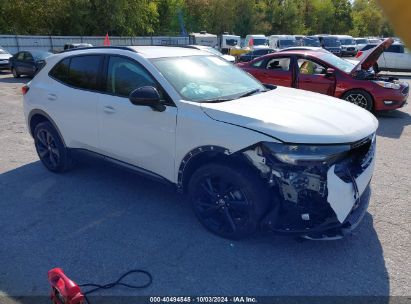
371	58
296	116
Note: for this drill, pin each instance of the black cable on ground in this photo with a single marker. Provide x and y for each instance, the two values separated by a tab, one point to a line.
118	283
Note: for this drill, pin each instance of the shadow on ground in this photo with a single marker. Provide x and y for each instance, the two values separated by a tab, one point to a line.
6	77
392	124
98	221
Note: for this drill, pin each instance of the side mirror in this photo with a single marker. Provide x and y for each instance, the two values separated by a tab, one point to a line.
147	96
330	72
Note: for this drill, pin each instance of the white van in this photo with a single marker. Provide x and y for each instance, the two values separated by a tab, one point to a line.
204	38
256	42
278	42
348	45
228	42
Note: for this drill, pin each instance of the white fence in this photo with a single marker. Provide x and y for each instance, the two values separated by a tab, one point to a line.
16	43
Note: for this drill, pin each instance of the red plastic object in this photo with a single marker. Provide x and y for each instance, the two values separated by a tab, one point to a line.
64	290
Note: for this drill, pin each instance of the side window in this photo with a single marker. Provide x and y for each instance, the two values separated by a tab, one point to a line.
83	71
28	57
125	75
278	64
60	70
258	64
20	56
309	67
395	49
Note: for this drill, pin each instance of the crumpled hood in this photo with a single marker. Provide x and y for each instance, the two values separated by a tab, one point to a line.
296	116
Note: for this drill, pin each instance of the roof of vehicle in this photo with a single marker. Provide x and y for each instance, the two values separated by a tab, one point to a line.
342	36
145	51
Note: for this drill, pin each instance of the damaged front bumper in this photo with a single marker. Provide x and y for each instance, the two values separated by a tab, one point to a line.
322	197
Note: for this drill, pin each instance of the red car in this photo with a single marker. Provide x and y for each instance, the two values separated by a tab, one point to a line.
326	73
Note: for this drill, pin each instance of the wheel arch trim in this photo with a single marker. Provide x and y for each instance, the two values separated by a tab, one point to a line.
42	113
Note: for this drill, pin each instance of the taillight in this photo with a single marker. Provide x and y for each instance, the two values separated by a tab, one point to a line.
25	89
358	54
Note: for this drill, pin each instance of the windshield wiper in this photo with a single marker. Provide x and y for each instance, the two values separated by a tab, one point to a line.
216	100
249	93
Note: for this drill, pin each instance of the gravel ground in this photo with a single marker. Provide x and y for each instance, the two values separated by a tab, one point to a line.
98	221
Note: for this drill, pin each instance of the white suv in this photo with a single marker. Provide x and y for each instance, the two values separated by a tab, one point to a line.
248	156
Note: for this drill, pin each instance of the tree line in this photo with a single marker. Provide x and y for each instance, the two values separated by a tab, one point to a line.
172	17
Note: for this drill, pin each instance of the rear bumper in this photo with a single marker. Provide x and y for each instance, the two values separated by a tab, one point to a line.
4	66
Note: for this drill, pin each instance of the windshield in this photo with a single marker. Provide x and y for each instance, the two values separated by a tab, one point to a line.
361	41
213	51
347	41
311	42
3	51
337	62
260	41
332	42
287	43
205	78
40	55
231	41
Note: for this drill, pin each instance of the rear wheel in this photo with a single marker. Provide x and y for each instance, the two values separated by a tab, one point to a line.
50	148
228	201
360	98
15	73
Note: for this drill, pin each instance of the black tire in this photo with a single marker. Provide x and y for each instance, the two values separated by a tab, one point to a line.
15	73
228	201
359	97
50	148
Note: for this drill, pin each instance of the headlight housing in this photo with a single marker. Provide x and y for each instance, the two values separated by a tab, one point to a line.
388	85
306	154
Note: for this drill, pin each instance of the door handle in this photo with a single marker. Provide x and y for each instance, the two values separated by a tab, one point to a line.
52	97
109	109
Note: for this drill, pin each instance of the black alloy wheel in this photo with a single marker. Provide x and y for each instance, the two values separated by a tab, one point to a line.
50	148
228	202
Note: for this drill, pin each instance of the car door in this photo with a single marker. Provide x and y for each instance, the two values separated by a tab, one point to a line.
73	99
277	71
135	134
311	76
28	66
18	61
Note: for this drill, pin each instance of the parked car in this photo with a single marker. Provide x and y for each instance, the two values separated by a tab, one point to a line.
331	44
4	59
311	41
278	42
212	51
348	45
228	42
361	43
69	46
27	63
246	156
327	74
395	58
256	42
254	54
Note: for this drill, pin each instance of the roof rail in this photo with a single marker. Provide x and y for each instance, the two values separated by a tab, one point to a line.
126	48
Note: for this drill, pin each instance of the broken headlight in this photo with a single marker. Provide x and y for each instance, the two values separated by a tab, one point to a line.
306	154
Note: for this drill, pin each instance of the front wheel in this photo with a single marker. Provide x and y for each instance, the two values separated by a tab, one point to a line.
50	148
15	73
359	98
229	202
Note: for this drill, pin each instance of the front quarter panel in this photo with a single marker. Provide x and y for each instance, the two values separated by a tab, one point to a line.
196	129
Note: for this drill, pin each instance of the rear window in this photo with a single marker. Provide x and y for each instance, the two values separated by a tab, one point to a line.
395	48
80	71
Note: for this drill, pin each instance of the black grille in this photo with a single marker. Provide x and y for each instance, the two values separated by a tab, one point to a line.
406	90
350	49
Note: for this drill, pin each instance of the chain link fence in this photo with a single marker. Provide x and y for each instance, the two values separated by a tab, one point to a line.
16	43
